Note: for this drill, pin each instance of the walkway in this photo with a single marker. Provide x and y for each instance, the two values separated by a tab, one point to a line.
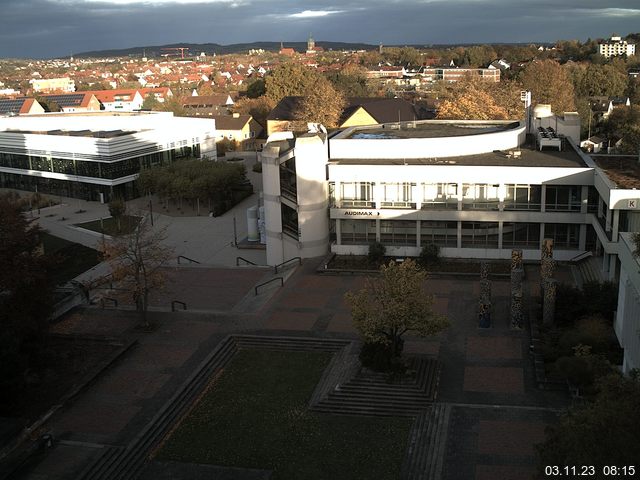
495	413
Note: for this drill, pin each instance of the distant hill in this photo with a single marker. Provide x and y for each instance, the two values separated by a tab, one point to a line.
211	48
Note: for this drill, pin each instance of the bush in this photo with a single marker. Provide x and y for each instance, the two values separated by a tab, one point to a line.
595	298
377	252
592	331
378	357
429	255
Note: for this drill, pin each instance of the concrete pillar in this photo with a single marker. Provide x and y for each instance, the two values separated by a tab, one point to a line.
613	263
582	240
418	237
584	199
608	220
459	234
377	230
543	198
338	231
500	229
615	225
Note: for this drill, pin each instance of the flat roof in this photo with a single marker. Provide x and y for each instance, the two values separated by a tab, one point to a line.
624	171
429	129
528	158
78	133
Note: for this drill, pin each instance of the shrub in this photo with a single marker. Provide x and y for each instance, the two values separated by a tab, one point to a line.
429	255
636	242
592	331
594	298
377	252
378	357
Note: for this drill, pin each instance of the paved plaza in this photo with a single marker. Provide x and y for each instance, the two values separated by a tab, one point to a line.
497	411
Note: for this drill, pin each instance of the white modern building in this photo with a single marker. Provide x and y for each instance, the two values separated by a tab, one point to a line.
476	189
616	46
96	155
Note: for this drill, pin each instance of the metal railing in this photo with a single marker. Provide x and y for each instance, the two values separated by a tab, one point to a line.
190	260
113	300
177	302
581	256
248	262
275	269
255	289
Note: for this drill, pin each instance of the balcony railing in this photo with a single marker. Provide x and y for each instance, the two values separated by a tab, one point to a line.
408	205
440	205
357	203
481	205
522	206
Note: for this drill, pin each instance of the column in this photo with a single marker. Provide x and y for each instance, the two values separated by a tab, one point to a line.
615	225
377	230
543	198
582	240
459	234
500	228
418	239
338	231
584	199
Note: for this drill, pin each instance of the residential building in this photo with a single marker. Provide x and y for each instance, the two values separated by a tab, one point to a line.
161	94
122	100
616	46
208	105
74	102
20	106
96	155
53	85
359	111
241	129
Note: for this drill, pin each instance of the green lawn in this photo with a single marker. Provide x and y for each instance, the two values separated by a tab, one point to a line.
255	416
74	258
109	225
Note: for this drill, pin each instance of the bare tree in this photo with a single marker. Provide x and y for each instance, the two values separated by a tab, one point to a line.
136	262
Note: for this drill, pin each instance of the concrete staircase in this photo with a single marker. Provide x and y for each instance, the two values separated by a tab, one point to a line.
427	442
372	393
590	269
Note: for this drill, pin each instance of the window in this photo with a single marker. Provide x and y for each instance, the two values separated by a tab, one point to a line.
478	196
398	232
522	197
520	235
357	194
565	236
358	232
479	235
563	198
289	221
398	195
443	234
440	196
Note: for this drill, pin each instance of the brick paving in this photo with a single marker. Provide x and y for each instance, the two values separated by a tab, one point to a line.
498	413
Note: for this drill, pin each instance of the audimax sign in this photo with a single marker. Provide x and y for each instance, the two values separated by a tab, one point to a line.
361	213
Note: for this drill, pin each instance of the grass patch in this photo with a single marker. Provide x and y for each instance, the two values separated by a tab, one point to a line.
73	258
110	226
255	416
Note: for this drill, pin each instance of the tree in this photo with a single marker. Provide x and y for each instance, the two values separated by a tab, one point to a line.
136	262
602	432
256	88
351	81
25	296
549	83
393	304
151	102
289	79
259	108
117	208
321	104
472	99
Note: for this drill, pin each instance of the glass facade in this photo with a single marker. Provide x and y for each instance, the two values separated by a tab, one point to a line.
358	232
563	198
520	235
398	232
480	235
522	197
443	234
478	196
357	194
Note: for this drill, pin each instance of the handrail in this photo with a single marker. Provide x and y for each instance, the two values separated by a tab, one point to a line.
275	269
191	260
102	300
268	282
244	260
581	256
173	305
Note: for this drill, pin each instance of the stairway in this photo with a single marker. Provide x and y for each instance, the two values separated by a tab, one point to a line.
590	269
427	443
371	393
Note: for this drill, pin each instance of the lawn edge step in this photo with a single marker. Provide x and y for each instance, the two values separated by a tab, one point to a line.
368	412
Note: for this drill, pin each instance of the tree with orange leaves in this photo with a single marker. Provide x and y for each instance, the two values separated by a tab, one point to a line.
136	262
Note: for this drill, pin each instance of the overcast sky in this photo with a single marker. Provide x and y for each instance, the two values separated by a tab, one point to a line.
49	28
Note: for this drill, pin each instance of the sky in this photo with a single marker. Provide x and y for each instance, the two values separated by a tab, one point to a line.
59	28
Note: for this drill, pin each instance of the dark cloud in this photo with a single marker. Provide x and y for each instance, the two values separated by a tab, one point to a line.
46	28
